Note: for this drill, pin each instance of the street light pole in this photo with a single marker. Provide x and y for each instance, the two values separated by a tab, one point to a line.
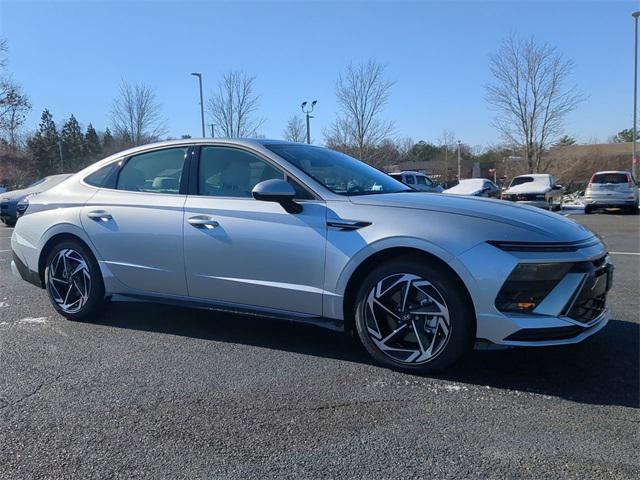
199	75
307	112
213	132
459	142
634	156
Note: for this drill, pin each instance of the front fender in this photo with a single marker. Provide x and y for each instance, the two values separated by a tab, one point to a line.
336	281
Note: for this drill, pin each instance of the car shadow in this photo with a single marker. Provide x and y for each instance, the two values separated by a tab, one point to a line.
602	370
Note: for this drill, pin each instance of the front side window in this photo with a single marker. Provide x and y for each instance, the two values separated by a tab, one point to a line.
336	171
420	180
230	172
159	171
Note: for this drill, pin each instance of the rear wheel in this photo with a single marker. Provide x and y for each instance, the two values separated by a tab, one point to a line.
73	281
413	317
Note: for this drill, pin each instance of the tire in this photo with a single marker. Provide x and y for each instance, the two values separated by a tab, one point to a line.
10	223
588	210
431	344
66	290
633	210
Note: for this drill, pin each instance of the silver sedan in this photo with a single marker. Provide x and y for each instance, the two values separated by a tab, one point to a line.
304	233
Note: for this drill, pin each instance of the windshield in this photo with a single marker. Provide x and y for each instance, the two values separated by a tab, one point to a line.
338	172
520	180
37	182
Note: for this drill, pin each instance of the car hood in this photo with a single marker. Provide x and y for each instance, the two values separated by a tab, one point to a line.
552	226
529	187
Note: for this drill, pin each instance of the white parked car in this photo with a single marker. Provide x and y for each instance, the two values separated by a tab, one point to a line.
611	189
304	233
478	187
536	189
418	181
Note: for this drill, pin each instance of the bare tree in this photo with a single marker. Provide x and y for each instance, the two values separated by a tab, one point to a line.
136	114
3	52
531	95
14	106
296	131
234	105
14	103
362	93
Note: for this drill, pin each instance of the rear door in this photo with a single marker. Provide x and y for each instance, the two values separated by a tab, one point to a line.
611	185
135	223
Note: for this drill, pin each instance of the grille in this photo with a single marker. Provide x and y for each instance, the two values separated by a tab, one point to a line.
588	309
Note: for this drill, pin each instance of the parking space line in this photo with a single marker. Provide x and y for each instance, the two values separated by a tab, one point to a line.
2	251
624	253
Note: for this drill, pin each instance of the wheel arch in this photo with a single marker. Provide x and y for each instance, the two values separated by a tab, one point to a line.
380	256
51	242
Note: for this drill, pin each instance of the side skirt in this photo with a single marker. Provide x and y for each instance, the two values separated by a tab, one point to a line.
328	323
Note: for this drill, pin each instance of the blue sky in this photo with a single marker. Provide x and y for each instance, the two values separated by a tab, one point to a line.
71	56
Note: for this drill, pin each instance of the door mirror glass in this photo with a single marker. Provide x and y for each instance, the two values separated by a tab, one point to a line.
276	190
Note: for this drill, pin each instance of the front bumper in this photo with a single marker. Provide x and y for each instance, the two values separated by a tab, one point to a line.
572	310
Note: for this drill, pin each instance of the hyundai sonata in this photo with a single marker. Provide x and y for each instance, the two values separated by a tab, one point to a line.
304	233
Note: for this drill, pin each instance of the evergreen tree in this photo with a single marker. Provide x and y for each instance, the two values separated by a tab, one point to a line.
73	145
107	141
44	146
92	142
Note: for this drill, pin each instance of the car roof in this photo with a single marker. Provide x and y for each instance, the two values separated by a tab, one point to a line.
534	175
611	171
410	172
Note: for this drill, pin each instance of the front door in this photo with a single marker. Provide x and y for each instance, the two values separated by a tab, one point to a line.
245	252
136	227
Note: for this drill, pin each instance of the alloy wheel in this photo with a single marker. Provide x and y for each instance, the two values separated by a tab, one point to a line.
69	280
407	318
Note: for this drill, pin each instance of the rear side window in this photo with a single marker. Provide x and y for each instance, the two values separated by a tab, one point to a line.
98	178
159	171
409	179
610	178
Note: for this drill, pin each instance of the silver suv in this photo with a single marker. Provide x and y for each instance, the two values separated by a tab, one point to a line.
417	181
611	189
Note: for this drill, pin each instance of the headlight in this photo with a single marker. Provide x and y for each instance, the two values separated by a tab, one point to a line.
24	203
528	284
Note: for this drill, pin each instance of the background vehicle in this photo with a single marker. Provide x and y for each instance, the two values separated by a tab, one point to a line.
536	189
611	189
305	233
3	189
479	187
13	204
417	180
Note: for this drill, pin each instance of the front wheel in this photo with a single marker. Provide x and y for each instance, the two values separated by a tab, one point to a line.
73	281
414	317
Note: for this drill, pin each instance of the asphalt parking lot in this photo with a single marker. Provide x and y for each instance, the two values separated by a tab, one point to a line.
161	392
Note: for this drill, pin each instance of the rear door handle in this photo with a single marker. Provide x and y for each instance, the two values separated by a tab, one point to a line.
202	221
99	216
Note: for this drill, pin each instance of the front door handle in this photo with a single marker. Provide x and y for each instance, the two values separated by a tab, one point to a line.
99	216
203	221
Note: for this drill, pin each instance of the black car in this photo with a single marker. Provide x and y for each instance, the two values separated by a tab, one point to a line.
13	204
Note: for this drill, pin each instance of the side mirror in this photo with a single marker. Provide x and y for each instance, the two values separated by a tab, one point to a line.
279	191
557	187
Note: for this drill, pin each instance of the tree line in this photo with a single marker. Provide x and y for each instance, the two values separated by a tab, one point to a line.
531	93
